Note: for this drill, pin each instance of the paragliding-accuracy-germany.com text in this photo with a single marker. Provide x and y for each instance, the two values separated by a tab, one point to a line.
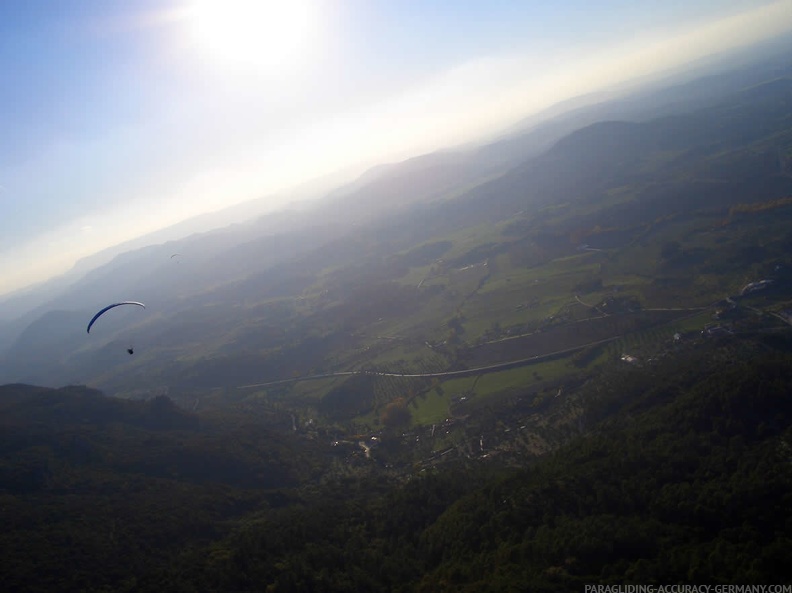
687	589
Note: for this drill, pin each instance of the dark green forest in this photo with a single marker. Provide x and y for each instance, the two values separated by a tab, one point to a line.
682	474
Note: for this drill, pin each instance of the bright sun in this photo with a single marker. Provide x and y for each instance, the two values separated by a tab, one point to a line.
264	34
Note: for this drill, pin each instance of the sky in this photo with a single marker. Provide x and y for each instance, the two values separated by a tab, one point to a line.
121	117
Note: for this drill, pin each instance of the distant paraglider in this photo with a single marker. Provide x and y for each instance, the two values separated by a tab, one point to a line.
103	311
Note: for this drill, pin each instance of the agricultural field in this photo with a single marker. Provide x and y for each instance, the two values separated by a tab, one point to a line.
493	317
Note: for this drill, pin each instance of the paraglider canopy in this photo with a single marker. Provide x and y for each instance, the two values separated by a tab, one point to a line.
103	311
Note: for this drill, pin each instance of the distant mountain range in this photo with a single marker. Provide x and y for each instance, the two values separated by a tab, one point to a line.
575	152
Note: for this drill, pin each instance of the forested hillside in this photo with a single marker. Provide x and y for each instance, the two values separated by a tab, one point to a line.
680	473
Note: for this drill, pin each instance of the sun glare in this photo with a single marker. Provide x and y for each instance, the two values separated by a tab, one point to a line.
263	34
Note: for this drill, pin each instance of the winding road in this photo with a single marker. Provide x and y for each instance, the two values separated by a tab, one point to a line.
459	373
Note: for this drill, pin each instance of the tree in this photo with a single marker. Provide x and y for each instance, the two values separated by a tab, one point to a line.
396	414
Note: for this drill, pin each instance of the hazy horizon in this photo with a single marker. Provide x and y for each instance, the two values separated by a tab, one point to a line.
129	121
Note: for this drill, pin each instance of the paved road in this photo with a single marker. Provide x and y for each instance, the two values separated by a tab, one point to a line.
459	373
492	367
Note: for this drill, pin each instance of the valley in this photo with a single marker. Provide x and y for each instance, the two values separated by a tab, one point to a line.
559	359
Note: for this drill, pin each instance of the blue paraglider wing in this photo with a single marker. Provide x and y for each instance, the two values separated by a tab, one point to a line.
108	307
